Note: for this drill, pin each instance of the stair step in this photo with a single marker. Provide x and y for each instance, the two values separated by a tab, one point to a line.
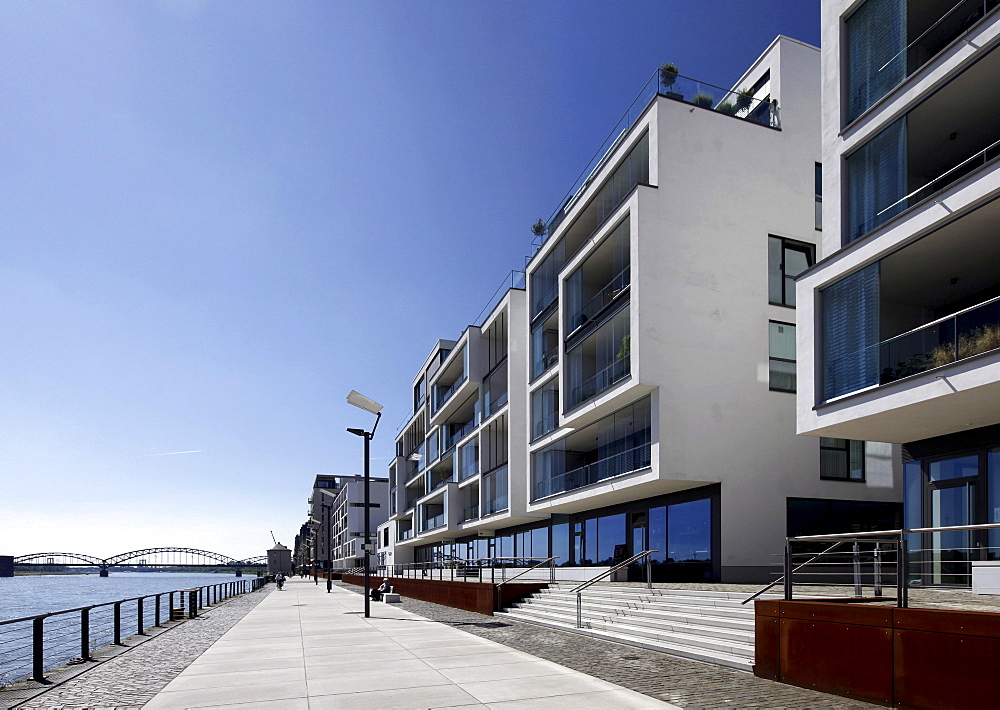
675	648
711	626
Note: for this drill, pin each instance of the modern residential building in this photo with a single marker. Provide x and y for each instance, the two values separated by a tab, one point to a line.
900	323
638	392
336	515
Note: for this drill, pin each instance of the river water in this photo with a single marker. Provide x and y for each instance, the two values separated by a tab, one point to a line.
29	595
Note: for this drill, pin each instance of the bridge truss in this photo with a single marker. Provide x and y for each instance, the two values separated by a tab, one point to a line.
148	557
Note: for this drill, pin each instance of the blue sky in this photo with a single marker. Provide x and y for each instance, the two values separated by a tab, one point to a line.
220	217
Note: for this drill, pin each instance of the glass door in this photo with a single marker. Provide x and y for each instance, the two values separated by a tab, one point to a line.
952	499
638	542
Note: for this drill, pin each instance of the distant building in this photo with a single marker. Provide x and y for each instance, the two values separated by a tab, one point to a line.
336	512
638	393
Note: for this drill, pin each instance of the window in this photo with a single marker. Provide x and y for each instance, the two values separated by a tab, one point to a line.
786	259
781	343
841	459
819	196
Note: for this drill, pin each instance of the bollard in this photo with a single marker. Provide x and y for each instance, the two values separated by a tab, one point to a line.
141	621
85	634
118	624
156	611
38	651
193	603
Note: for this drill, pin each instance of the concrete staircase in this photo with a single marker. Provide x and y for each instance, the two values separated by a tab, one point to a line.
709	626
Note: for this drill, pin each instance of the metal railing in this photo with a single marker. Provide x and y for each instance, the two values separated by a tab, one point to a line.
881	560
552	576
450	568
633	459
32	645
621	565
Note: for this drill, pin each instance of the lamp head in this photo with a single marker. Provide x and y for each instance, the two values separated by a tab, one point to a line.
359	400
357	432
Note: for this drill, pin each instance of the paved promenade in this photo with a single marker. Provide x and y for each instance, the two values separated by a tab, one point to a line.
305	648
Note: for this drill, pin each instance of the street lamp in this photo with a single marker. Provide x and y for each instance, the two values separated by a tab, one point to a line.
369	405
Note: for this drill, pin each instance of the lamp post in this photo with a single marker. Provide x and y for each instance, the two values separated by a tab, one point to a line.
359	400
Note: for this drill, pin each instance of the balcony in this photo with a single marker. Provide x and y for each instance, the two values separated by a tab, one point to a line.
468	461
495	487
889	49
628	461
446	394
941	141
601	300
603	380
470	512
404	535
436	521
963	335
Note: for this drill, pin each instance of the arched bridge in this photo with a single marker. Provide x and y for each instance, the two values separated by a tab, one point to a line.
155	557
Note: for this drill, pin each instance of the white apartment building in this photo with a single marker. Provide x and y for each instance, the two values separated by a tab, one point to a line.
336	515
900	323
638	393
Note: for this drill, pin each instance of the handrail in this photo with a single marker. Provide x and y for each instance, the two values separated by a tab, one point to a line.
602	575
804	564
895	533
617	567
551	576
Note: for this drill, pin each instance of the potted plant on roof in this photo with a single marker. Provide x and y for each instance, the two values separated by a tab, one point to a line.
538	229
744	97
704	100
668	75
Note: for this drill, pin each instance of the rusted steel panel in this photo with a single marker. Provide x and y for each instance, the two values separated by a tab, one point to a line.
767	607
852	660
972	623
837	612
767	646
944	670
472	596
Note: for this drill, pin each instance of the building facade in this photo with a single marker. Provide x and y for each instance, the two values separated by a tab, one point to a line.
336	517
638	392
902	318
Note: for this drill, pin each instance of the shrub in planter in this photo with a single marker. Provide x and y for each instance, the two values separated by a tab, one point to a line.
743	99
703	100
668	75
727	107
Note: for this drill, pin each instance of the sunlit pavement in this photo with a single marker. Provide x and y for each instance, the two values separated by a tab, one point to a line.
305	648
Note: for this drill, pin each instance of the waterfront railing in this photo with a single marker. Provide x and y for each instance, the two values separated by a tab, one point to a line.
32	645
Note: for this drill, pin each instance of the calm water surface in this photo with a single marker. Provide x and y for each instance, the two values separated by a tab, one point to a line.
42	594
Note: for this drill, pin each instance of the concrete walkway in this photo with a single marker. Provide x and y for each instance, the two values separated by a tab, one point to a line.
303	648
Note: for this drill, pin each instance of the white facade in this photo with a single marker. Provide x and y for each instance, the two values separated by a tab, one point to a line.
901	321
642	410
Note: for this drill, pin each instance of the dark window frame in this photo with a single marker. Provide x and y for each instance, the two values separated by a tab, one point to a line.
846	449
794	245
771	358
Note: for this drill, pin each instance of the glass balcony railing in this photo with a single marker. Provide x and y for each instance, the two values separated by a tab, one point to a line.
679	88
410	502
600	300
435	521
494	404
634	459
470	512
610	375
404	535
468	469
545	424
967	333
443	397
451	439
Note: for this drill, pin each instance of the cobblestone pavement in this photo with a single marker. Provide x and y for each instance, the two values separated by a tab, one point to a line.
131	679
680	681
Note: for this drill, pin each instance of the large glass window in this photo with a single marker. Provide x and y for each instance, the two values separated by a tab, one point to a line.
545	408
781	355
876	37
786	259
851	333
611	541
876	181
495	491
596	283
598	362
689	539
545	279
544	345
560	543
842	459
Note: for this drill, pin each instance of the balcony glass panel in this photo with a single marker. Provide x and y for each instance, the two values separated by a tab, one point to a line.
495	491
599	280
623	445
495	391
468	461
545	279
545	408
599	361
544	345
888	40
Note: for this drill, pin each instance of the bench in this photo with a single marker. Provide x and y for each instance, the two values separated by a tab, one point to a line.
391	598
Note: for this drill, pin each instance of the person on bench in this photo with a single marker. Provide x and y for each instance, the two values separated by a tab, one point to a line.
376	594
